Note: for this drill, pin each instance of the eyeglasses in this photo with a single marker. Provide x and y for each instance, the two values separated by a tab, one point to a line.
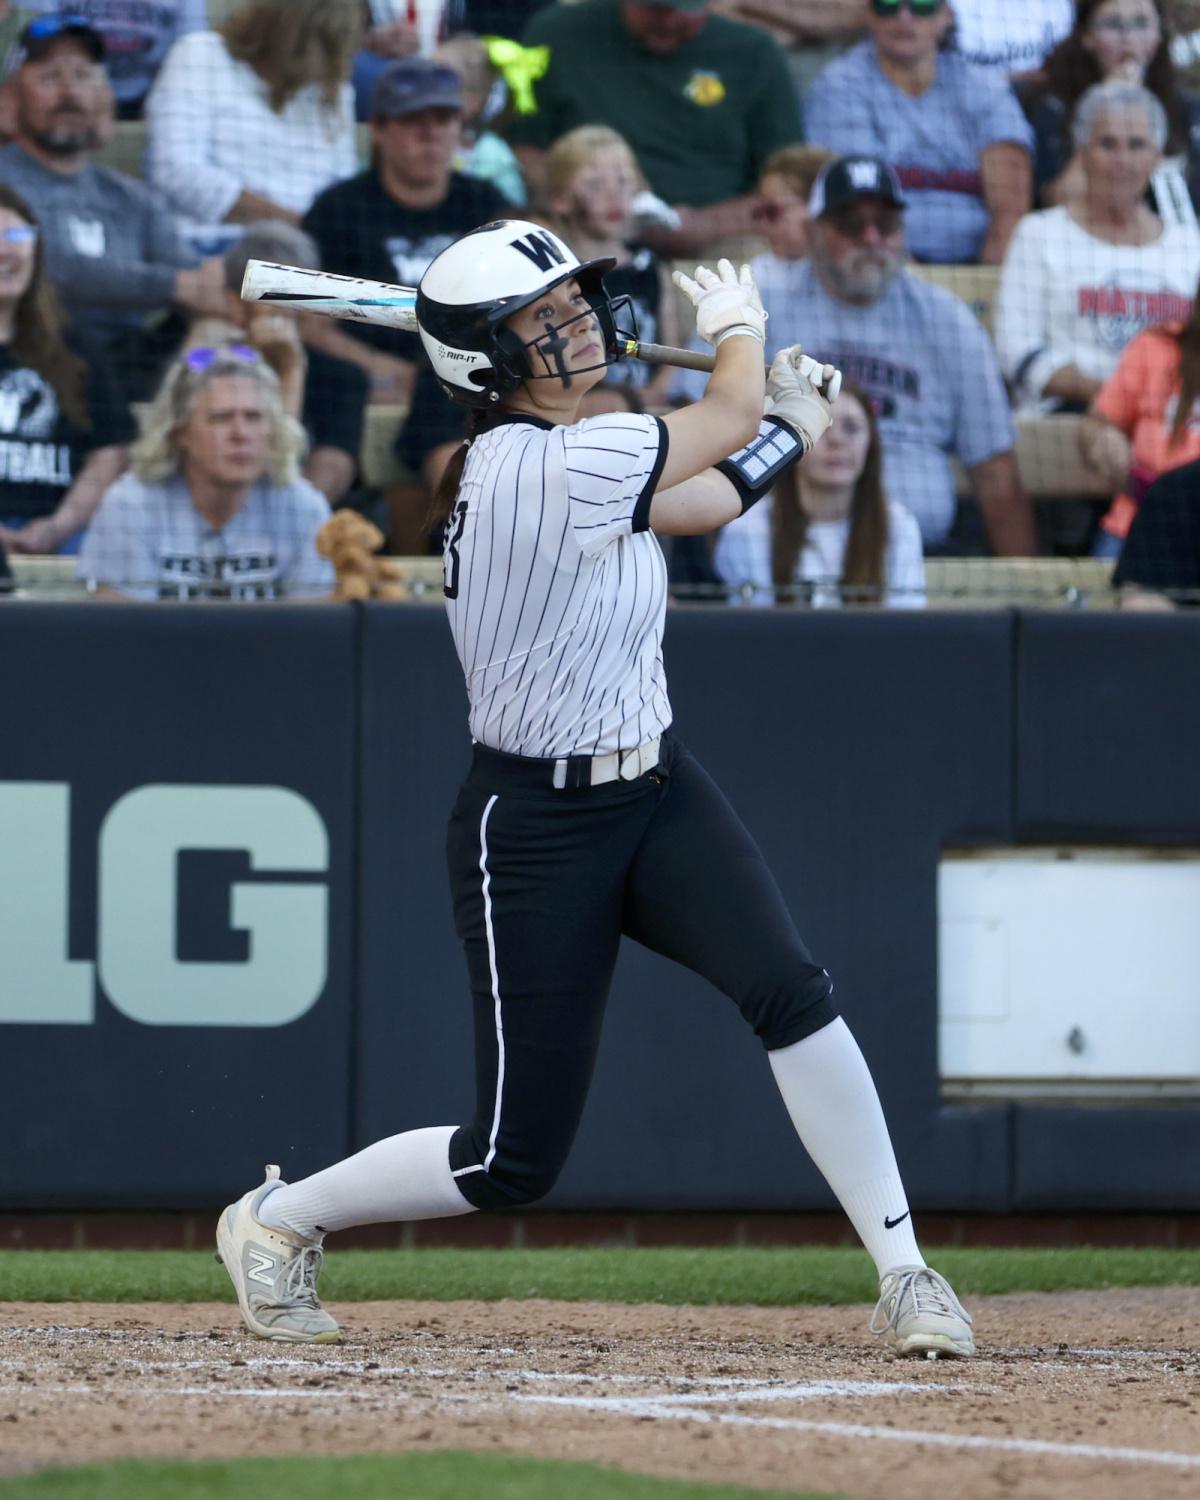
19	234
916	7
1118	26
205	358
853	223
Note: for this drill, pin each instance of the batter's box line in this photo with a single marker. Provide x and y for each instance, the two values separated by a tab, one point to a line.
671	1410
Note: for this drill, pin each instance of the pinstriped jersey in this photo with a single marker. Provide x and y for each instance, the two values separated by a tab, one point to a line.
555	587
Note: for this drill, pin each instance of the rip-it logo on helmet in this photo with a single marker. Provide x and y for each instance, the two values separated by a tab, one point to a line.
470	290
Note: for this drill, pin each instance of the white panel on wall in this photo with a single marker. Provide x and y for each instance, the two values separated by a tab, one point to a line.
1069	970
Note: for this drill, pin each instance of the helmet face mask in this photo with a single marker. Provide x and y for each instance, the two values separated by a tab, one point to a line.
473	287
541	358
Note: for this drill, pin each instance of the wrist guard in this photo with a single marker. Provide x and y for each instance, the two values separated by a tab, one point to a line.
752	470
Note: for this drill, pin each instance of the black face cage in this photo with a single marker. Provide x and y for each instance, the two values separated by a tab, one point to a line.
513	360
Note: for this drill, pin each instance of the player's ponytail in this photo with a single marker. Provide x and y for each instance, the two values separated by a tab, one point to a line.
446	492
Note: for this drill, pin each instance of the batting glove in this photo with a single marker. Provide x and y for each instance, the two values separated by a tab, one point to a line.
726	302
801	392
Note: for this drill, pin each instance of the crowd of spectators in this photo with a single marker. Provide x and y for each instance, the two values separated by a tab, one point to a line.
858	152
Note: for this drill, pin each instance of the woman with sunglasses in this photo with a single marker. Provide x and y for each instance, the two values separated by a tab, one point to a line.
1123	41
64	422
953	133
214	506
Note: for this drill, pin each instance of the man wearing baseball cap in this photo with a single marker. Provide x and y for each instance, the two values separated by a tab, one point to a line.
387	224
112	248
703	101
919	353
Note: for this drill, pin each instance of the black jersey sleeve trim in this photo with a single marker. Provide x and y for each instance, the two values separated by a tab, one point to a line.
641	511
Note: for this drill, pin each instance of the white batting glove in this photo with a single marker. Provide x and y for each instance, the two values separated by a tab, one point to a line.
726	302
801	392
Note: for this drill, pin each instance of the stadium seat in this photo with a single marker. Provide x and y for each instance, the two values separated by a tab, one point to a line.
1019	582
975	285
46	577
1049	460
377	457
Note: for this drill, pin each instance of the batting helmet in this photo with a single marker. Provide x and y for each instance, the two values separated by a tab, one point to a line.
474	285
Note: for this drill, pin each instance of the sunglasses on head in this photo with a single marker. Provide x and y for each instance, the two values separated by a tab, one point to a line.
45	26
204	359
916	7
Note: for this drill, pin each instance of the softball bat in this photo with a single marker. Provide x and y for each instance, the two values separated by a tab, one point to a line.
394	306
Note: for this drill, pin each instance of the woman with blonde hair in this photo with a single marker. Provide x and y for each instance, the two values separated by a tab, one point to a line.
253	120
829	534
214	505
592	178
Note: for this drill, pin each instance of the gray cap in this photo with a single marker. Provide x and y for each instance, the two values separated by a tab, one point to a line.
413	84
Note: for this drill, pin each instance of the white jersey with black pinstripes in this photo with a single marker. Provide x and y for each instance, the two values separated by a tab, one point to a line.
555	587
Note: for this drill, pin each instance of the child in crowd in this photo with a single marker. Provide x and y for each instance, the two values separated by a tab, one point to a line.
592	179
1144	420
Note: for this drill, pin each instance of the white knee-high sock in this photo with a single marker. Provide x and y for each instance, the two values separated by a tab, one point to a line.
403	1177
830	1095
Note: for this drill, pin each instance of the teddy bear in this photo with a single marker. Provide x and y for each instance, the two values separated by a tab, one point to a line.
351	543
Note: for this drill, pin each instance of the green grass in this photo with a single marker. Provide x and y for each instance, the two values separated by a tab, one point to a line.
407	1476
761	1277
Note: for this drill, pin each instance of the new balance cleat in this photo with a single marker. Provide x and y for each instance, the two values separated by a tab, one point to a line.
273	1272
918	1313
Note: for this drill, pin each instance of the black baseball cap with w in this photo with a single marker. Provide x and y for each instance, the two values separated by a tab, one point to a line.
844	181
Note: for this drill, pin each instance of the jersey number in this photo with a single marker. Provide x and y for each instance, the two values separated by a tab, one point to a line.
454	531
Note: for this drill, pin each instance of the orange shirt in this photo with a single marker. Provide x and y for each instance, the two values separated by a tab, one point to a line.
1140	398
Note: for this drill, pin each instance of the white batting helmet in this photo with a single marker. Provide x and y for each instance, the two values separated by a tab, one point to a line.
483	278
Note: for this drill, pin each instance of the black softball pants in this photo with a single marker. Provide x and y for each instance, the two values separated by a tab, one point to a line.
545	882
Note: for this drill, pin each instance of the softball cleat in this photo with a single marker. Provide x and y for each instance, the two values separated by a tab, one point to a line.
918	1313
274	1273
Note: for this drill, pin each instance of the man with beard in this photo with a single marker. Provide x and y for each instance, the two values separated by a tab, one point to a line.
111	248
918	352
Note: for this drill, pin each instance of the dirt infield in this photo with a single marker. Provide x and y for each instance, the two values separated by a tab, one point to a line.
1077	1395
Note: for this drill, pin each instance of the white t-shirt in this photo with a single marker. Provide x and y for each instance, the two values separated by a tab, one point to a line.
1010	36
1068	298
556	589
743	556
213	135
148	541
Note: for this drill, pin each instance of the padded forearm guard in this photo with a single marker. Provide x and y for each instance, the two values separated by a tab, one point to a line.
752	470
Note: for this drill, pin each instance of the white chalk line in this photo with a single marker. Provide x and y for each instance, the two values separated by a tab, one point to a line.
670	1409
687	1405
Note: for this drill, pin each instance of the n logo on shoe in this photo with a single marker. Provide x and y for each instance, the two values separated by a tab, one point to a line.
262	1268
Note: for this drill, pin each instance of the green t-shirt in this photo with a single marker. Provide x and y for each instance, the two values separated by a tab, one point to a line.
701	120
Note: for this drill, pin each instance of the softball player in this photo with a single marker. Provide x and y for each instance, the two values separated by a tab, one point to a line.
583	817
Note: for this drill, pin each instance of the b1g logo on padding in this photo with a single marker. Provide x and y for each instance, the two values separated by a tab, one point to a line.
142	839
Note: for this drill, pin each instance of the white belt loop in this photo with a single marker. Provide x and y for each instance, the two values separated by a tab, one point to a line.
560	775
